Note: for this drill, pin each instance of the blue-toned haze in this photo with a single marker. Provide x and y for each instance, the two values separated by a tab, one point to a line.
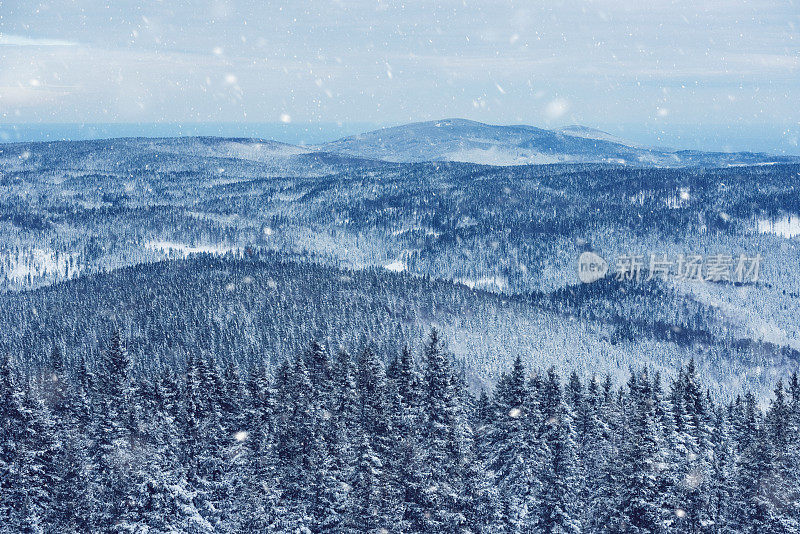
695	74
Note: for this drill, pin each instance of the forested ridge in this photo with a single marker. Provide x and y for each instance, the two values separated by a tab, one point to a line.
323	442
387	250
242	310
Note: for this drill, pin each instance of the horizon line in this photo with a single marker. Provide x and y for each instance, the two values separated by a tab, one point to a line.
689	137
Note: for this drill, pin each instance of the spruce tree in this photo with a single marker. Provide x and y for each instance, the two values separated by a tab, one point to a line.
639	504
516	448
11	433
439	438
556	509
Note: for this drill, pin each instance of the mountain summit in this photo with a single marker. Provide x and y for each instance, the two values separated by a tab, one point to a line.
474	142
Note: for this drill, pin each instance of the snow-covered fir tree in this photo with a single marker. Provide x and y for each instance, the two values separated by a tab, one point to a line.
331	443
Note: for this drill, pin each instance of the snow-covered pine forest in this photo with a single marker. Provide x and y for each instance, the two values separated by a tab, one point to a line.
359	245
343	443
449	267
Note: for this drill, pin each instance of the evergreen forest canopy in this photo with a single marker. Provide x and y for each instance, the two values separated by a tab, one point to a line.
339	443
233	335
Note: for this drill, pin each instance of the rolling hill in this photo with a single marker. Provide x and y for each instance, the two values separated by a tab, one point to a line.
475	142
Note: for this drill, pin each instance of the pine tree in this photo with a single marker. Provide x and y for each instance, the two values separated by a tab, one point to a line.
373	405
721	471
294	443
480	496
403	464
556	507
513	438
319	369
36	458
754	501
407	380
70	502
165	502
374	420
11	431
338	447
409	482
603	460
783	491
231	406
366	507
204	440
685	479
793	454
83	394
440	440
255	467
110	452
115	385
639	503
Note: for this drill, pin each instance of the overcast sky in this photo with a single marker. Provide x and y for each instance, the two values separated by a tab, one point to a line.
701	67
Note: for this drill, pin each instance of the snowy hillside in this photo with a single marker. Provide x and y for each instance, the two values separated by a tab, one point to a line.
585	132
475	142
250	308
69	210
133	271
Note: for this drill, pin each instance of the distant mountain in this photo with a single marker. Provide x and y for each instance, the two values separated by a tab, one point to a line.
576	130
474	142
214	157
453	140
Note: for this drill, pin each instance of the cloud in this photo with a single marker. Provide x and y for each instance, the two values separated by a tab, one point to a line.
602	62
22	96
556	108
21	40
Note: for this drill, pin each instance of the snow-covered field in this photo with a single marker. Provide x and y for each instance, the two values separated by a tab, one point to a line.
20	265
788	226
171	248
